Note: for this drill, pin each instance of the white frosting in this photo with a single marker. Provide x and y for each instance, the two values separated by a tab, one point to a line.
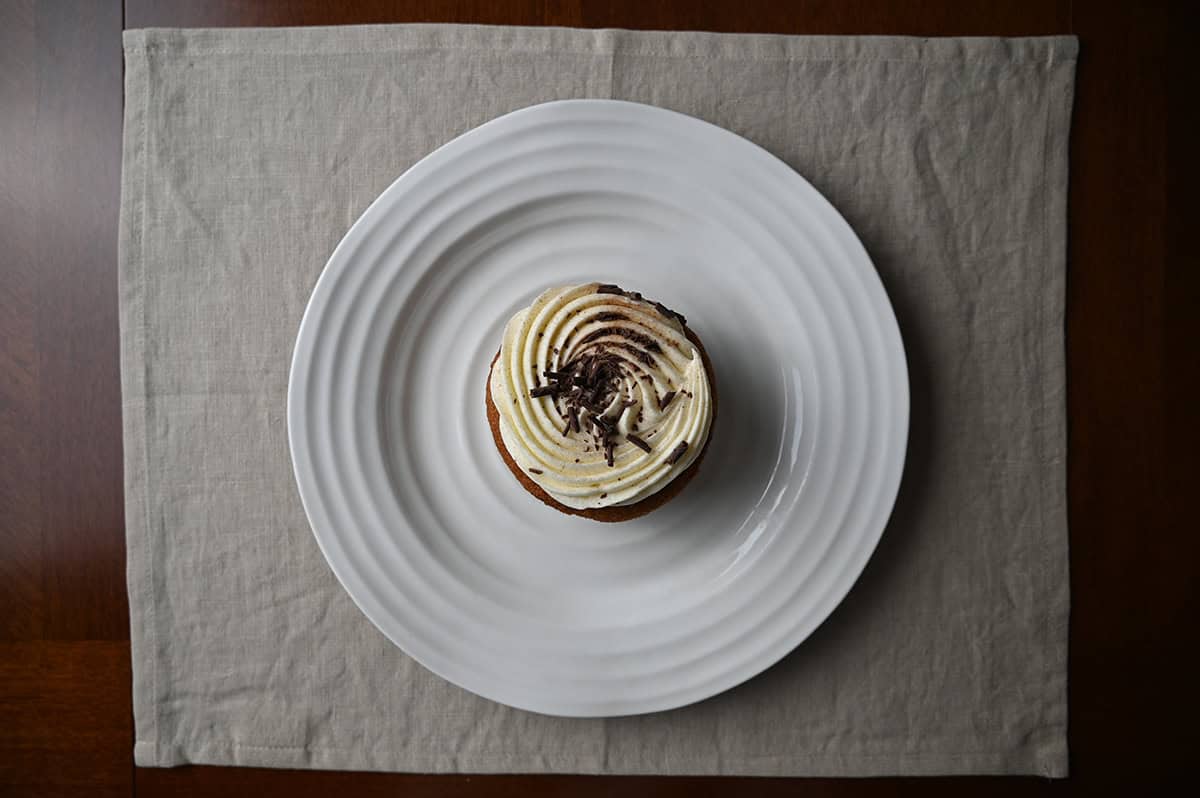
654	357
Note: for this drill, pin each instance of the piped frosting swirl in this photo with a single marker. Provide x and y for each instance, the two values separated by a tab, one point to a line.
602	398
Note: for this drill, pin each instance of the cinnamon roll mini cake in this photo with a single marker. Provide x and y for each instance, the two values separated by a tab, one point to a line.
601	401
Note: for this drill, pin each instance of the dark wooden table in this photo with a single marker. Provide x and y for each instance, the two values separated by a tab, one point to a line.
65	717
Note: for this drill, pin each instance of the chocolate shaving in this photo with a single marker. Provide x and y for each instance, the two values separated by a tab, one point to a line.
643	340
640	355
609	288
603	423
643	357
535	471
607	315
676	453
608	452
666	400
670	314
543	390
638	442
566	428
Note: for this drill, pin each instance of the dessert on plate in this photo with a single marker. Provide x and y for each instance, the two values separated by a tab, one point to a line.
600	401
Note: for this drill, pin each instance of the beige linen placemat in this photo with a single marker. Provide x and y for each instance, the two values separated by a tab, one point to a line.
248	154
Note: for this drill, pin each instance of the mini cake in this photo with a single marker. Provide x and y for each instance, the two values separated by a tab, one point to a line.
600	401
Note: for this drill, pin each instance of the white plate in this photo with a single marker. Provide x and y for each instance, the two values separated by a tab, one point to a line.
424	525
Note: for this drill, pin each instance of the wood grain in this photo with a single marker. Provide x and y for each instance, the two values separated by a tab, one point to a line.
65	723
848	17
77	162
63	538
200	782
1123	601
65	719
923	18
21	615
238	13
